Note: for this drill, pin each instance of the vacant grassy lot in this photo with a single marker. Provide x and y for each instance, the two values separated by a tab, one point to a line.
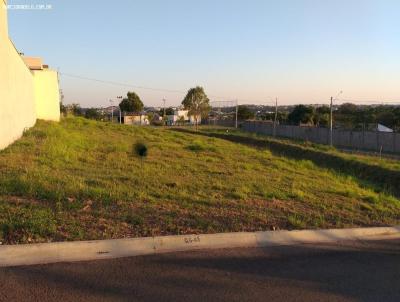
79	179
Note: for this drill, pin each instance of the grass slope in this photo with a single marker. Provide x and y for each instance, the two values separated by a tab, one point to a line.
80	179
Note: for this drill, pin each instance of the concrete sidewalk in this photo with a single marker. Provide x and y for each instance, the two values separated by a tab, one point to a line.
30	254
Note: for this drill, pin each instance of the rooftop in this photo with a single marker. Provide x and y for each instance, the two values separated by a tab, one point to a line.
34	63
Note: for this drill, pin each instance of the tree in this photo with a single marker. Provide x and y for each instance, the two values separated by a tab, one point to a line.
132	103
323	110
244	113
302	114
387	119
348	115
396	112
197	102
322	116
181	120
150	116
348	108
169	111
63	109
322	119
92	113
282	117
76	109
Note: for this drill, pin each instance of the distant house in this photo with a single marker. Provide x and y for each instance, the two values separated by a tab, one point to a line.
382	128
181	116
156	118
135	119
111	109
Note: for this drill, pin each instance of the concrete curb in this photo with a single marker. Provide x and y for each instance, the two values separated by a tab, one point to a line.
15	255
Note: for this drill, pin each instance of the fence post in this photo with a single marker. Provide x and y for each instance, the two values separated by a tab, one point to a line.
377	140
363	137
351	139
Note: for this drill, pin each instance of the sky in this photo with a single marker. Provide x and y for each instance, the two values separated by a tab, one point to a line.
253	51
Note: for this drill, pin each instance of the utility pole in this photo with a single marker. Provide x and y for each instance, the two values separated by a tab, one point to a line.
331	124
112	110
164	100
120	113
331	119
164	121
236	115
276	116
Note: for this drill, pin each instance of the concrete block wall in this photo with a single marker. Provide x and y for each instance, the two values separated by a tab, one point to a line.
3	19
223	123
361	140
23	97
47	94
17	102
386	141
396	142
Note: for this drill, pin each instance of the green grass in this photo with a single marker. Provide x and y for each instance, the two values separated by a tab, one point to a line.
381	173
81	179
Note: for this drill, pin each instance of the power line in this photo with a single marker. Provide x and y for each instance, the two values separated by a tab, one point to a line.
120	84
370	101
149	88
253	102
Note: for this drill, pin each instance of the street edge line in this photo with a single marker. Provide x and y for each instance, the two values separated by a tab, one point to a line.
44	253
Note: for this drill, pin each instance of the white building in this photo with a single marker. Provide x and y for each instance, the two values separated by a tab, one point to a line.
182	116
135	119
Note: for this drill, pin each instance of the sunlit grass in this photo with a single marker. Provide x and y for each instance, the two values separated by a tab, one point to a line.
79	179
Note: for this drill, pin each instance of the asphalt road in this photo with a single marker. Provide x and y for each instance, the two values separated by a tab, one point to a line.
352	272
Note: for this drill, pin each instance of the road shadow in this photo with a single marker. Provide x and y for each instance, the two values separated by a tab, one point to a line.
377	177
296	273
345	272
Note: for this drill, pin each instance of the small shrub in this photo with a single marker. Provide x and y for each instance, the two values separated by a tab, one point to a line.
134	219
196	147
36	133
140	149
371	199
296	222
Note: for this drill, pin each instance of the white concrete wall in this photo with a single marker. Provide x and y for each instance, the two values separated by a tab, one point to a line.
47	94
18	105
3	20
17	102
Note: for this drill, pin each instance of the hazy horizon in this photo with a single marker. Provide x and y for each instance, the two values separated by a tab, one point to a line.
252	51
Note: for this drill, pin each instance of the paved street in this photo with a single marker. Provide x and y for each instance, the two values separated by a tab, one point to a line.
352	272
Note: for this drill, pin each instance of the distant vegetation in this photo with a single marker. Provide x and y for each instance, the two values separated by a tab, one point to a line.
197	103
244	113
93	113
78	179
302	114
347	115
168	111
132	103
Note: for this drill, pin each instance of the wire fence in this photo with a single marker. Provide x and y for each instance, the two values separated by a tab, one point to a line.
358	140
222	113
